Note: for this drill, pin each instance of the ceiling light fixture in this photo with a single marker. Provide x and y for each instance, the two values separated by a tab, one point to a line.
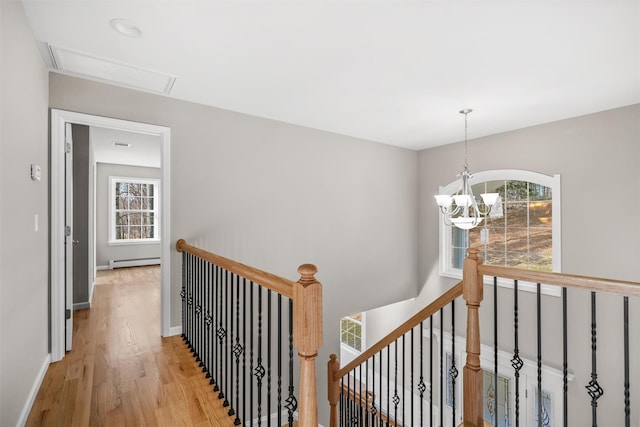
126	28
465	214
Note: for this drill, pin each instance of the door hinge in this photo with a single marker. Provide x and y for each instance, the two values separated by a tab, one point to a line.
67	147
67	314
67	231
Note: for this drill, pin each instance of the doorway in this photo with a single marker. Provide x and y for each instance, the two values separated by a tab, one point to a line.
60	287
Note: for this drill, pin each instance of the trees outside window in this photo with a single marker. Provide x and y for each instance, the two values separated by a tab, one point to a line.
134	210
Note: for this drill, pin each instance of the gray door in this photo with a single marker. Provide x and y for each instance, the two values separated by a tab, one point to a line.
81	216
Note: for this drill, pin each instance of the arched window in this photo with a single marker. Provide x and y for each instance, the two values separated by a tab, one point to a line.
523	231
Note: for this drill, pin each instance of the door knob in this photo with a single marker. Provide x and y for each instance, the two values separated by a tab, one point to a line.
75	242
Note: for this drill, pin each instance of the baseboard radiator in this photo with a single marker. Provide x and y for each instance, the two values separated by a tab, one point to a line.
117	263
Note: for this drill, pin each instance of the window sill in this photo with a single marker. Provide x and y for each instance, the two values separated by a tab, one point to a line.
134	242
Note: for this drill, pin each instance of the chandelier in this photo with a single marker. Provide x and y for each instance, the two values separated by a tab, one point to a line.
461	209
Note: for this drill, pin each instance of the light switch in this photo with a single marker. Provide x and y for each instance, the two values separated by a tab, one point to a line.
35	222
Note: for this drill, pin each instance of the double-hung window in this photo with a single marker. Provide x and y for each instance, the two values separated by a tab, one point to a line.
134	213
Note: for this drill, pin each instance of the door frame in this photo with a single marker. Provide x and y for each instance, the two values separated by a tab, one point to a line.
57	250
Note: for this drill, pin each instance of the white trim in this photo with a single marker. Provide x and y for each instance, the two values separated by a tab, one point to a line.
102	267
58	120
157	200
551	181
174	330
26	409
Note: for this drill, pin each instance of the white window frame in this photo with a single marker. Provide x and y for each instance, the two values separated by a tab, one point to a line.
551	181
113	180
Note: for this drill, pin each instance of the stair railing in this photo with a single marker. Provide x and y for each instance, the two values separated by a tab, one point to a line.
228	316
582	309
389	383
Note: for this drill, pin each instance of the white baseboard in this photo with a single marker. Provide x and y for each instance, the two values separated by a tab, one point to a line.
81	305
26	410
175	330
102	267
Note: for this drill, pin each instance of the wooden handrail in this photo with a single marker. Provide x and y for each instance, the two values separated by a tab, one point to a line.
306	295
414	321
334	371
276	283
595	284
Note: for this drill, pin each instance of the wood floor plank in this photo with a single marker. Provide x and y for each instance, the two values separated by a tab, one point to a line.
121	372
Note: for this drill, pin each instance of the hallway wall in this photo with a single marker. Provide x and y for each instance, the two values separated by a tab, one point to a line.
24	255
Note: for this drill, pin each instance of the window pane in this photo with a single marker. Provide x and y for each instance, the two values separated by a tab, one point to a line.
539	192
522	237
516	191
540	214
540	240
541	262
517	259
518	240
516	213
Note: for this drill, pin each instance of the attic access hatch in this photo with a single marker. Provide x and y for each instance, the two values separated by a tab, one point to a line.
81	64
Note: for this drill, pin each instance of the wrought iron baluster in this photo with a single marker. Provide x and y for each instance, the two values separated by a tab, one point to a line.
627	400
442	390
220	334
197	309
292	403
421	385
237	351
360	411
207	319
268	357
183	295
216	319
279	364
539	333
396	398
366	388
244	351
593	388
411	378
495	351
227	354
388	381
211	304
373	408
431	371
454	370
516	361
342	404
402	378
565	370
251	340
232	331
260	371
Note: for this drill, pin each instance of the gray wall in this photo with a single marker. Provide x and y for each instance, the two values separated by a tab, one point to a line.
597	156
24	257
81	280
275	195
104	251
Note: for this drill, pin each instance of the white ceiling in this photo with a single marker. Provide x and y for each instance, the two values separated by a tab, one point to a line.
391	71
144	149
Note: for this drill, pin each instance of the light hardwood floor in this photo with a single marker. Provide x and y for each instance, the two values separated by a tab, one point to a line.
121	372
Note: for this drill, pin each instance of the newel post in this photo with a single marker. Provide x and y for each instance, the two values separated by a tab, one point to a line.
333	389
472	294
307	337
